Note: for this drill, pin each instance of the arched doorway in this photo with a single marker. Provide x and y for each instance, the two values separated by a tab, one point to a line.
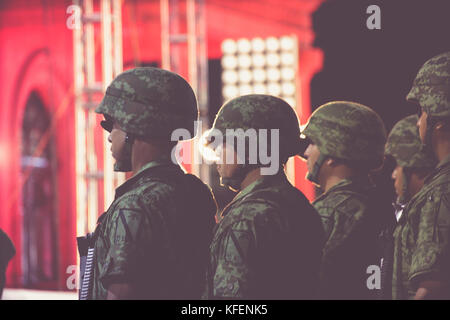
39	214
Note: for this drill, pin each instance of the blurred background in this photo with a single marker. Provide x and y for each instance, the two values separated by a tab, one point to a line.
57	58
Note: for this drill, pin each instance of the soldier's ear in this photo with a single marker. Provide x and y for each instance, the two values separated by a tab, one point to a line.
331	162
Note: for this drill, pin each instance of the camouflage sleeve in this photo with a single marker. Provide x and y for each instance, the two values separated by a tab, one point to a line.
127	230
327	219
232	274
431	257
346	217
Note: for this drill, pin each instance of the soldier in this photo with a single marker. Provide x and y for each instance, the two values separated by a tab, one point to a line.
152	243
412	166
268	242
421	238
346	141
7	252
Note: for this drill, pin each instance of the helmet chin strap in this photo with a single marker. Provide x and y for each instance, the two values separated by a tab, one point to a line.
405	194
314	175
124	163
427	145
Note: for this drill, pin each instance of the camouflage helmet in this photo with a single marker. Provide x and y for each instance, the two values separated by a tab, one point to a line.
403	143
348	131
260	111
150	103
431	87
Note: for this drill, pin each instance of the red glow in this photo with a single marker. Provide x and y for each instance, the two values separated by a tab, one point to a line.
36	55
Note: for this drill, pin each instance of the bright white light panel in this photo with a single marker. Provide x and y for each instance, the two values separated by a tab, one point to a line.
263	66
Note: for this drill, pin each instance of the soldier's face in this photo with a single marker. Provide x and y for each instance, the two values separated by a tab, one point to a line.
422	124
117	139
226	161
312	153
398	176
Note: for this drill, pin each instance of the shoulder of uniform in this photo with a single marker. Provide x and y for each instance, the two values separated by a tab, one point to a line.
433	191
129	199
340	198
253	207
130	204
272	197
442	185
248	214
439	178
346	202
242	225
352	204
144	194
152	190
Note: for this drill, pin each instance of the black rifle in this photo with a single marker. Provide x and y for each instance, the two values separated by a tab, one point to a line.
86	250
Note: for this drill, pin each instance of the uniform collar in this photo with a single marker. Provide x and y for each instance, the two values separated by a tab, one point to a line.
359	182
144	171
259	184
444	163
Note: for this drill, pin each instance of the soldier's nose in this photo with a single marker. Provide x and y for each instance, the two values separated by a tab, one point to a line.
394	174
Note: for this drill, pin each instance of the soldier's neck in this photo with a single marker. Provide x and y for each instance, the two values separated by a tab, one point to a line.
336	175
144	153
442	149
331	182
251	177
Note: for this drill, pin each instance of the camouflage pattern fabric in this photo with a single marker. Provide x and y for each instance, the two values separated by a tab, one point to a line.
155	235
352	218
150	102
422	250
348	131
404	145
431	87
267	244
386	243
7	252
421	239
259	111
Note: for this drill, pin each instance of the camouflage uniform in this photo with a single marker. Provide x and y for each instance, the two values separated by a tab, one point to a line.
7	252
421	247
268	242
155	235
352	214
351	228
404	145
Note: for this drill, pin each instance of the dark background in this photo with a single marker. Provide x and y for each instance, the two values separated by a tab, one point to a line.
372	67
377	67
